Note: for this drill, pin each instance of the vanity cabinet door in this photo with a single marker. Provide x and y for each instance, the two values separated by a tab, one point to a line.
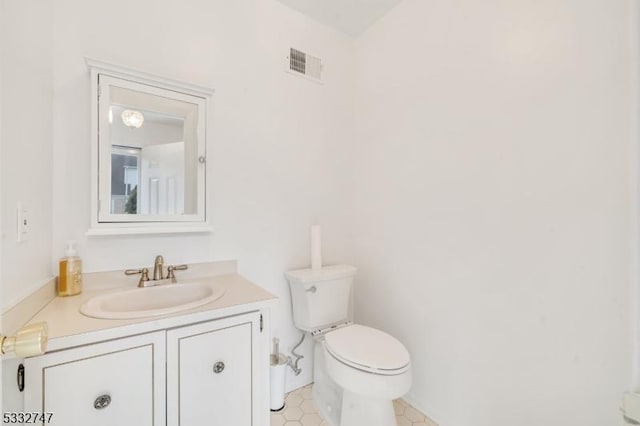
209	373
113	383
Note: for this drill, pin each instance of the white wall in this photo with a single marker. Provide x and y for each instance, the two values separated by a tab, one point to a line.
635	90
275	161
495	204
25	172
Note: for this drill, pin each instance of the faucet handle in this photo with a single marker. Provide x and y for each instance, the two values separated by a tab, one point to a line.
143	271
172	268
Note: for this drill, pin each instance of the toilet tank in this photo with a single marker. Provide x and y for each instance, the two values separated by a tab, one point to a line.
320	297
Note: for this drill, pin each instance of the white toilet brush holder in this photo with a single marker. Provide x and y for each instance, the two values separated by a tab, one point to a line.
277	370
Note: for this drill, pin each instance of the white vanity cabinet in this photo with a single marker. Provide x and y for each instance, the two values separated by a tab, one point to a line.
209	373
212	372
121	382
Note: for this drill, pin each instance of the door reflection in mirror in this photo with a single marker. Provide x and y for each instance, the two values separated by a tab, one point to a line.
162	179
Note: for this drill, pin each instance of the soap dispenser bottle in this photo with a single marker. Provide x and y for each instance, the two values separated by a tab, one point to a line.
70	278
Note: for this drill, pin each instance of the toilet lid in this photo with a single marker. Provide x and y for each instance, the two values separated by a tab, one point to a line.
368	349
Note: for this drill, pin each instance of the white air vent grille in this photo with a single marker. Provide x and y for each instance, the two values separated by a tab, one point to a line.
305	64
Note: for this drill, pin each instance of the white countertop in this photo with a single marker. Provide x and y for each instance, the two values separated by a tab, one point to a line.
69	328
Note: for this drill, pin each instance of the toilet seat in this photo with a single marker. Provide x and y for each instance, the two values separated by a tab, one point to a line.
367	349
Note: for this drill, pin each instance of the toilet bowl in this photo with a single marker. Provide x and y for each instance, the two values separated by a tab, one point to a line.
372	368
367	361
358	370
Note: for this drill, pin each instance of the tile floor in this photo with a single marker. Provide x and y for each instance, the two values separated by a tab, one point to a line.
300	410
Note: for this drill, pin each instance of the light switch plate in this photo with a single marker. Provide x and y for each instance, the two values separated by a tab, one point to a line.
23	222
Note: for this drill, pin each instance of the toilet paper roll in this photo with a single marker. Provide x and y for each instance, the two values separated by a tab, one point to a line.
316	247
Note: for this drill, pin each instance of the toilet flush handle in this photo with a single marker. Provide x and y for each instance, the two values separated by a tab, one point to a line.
311	289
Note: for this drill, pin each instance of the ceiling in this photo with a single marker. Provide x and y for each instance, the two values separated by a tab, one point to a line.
349	16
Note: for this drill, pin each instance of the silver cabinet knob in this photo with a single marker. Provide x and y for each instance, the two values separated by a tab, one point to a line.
218	367
102	401
311	289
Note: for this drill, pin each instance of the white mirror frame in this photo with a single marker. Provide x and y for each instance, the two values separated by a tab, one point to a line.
100	224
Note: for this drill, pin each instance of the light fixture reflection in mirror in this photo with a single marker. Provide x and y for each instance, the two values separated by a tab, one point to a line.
132	118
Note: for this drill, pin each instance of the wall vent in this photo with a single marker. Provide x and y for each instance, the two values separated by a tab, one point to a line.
304	64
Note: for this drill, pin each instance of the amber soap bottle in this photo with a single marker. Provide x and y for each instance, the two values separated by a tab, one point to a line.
70	277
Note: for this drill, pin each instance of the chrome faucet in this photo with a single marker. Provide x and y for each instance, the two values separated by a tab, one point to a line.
158	273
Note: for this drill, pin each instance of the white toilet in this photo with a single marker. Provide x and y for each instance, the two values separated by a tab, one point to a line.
358	371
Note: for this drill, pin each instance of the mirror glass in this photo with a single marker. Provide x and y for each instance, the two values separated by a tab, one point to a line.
151	160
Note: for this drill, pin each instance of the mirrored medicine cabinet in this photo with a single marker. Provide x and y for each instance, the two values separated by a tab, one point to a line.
149	141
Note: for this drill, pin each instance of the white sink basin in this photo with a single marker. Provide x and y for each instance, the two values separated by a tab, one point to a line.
151	301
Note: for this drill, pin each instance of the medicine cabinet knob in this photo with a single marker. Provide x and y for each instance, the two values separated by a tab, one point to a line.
102	401
218	367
